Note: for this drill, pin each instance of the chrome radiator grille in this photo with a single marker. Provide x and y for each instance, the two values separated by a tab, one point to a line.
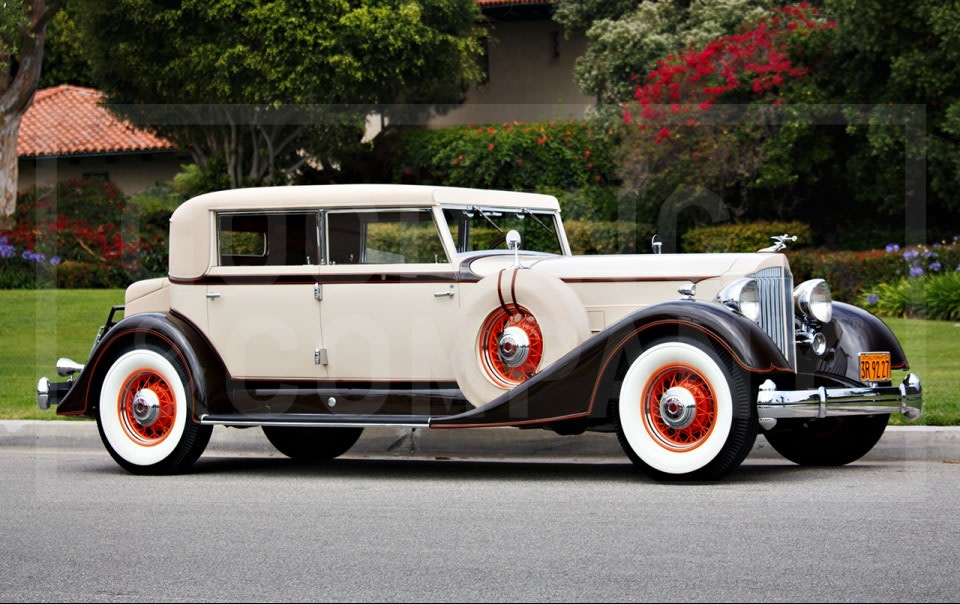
776	309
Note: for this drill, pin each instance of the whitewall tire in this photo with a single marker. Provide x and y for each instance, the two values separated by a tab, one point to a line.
144	413
684	411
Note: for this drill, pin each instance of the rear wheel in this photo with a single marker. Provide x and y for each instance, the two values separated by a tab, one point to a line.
144	412
312	445
685	412
831	441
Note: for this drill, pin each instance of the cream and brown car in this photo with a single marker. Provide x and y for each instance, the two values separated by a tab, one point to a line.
314	312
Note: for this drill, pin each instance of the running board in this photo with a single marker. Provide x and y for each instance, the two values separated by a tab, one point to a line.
304	420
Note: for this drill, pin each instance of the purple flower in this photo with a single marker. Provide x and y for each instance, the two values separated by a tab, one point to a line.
892	247
55	261
929	254
935	266
910	254
6	251
3	241
27	255
873	299
916	271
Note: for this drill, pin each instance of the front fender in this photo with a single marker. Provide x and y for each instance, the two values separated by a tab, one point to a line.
205	371
856	330
579	384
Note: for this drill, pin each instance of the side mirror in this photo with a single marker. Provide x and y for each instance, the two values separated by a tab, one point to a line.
513	243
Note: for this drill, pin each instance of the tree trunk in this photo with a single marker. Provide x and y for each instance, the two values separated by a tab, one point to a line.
9	174
17	94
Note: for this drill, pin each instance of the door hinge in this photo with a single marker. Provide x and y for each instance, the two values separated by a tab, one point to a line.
318	292
320	356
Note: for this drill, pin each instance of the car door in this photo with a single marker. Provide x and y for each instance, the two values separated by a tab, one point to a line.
390	296
263	309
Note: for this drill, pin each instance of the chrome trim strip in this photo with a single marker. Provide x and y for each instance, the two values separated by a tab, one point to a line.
907	398
205	421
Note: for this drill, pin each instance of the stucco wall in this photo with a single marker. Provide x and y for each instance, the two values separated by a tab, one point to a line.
131	173
530	77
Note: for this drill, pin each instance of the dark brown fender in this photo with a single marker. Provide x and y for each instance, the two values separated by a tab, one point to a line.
205	371
580	384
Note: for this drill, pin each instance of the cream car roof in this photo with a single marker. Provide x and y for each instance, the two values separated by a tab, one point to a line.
192	230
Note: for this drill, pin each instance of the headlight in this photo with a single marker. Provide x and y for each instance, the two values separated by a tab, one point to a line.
743	296
813	300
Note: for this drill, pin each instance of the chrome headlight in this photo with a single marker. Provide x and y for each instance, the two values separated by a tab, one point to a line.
813	300
743	296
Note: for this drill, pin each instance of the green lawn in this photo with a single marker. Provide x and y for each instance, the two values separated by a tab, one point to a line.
37	327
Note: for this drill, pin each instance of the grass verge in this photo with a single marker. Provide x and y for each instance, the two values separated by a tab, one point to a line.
38	327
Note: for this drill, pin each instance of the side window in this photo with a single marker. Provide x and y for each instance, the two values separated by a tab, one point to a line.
268	239
384	237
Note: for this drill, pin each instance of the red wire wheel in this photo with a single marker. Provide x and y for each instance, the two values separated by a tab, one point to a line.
147	407
679	408
510	346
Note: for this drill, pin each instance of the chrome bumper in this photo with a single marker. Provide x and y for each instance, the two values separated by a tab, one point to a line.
773	404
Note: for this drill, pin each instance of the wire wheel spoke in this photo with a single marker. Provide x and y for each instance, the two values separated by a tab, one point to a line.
676	426
147	429
495	349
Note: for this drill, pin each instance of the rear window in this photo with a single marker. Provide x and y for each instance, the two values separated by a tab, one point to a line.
268	239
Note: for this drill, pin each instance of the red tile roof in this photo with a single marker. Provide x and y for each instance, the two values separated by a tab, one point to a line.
69	120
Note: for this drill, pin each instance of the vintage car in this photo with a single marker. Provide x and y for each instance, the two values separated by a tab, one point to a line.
314	312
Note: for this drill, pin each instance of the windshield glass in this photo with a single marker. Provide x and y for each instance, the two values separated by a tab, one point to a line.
476	229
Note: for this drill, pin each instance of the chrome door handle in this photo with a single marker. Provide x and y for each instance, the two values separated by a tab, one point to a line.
448	293
213	295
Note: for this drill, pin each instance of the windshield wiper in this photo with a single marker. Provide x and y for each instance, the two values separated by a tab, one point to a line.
487	218
537	220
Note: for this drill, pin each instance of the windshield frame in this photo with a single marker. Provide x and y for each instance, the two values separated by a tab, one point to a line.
548	217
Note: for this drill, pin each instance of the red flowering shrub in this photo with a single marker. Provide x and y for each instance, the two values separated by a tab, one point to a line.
755	61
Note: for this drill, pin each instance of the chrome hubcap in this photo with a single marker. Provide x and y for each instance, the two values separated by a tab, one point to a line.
146	407
513	347
678	408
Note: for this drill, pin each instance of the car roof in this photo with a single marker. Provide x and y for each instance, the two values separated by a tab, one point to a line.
365	196
192	228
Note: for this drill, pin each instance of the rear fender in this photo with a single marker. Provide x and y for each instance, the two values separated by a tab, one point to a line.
205	370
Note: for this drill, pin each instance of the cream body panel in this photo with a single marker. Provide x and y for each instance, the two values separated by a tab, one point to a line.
190	301
149	295
388	330
266	331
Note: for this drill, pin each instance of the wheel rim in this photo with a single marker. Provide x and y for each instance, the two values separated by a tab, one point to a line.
679	408
510	346
147	407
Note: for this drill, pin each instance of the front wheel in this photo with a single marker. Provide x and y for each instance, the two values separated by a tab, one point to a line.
312	445
143	413
831	441
685	412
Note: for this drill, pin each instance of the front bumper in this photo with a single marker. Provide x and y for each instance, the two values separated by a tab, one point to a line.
907	398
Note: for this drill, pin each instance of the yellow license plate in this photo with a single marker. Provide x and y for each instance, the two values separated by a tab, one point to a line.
874	366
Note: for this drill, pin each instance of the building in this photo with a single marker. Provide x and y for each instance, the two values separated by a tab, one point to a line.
67	134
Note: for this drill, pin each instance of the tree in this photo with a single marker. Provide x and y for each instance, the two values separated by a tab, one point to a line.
64	58
626	38
22	30
230	70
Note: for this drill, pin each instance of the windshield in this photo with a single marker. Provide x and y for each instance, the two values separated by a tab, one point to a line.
476	229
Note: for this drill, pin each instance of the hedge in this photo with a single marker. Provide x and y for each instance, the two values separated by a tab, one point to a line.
744	237
930	297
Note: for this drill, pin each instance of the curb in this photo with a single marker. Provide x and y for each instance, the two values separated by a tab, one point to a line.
899	443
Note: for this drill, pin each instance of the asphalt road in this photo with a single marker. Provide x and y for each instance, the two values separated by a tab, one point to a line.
73	526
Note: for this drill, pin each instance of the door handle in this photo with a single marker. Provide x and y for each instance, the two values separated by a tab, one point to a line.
213	295
448	294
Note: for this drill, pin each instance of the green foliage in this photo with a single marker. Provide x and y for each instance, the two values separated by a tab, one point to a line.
847	273
13	18
510	156
930	297
744	237
64	57
607	237
626	38
242	63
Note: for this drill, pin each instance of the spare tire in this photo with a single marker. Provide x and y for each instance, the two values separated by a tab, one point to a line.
513	325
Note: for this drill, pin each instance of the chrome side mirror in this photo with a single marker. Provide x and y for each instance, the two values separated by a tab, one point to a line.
656	244
513	243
